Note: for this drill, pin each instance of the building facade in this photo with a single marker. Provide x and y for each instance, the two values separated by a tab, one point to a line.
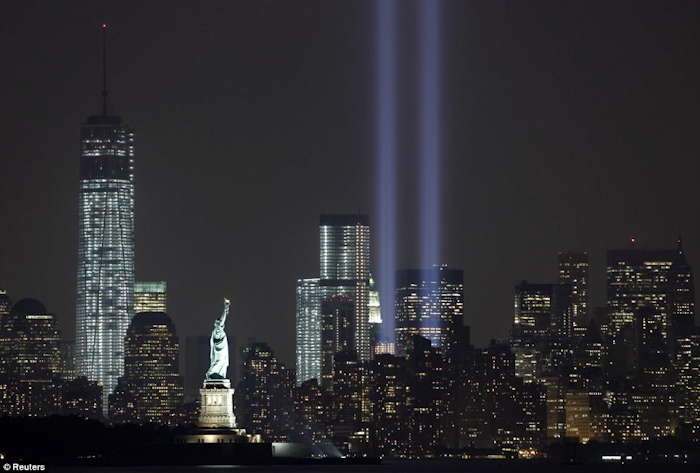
105	279
574	271
308	330
150	296
344	285
151	372
429	303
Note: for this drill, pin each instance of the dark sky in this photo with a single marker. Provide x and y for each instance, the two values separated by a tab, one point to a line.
567	125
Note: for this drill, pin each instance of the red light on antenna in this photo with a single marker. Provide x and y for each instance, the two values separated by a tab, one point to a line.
633	240
104	25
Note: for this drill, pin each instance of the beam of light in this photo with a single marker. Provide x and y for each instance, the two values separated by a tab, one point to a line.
385	83
429	136
429	26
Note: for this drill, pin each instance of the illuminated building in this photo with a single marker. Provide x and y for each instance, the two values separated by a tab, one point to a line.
312	408
105	288
5	340
579	422
681	296
32	377
390	405
687	392
337	332
345	258
428	397
573	270
150	296
541	326
264	400
637	278
348	377
308	327
429	303
151	369
375	317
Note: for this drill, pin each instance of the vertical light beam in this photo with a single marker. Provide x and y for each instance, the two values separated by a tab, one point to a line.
385	89
429	28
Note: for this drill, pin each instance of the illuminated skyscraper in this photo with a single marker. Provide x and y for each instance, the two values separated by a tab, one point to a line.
344	279
541	322
308	331
150	296
429	303
681	296
152	374
105	289
32	361
573	270
638	278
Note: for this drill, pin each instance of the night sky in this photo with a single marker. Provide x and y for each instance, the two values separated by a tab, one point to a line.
567	125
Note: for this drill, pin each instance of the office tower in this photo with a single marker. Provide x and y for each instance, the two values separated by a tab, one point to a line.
68	357
541	325
573	270
687	393
33	369
375	317
264	398
337	332
390	398
428	403
197	363
151	368
5	340
150	296
344	280
346	387
4	303
308	348
429	303
105	288
636	278
681	296
312	408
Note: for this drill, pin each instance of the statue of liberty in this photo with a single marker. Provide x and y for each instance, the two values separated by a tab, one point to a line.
218	344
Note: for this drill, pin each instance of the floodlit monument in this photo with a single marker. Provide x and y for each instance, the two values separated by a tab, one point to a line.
216	393
217	423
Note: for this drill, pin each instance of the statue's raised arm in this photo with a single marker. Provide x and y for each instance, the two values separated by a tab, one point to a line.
227	306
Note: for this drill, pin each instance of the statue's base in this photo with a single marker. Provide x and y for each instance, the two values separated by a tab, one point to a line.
216	405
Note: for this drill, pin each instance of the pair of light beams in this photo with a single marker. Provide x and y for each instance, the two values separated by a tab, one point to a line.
386	145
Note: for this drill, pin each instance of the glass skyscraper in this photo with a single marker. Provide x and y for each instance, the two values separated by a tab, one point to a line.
105	279
429	303
344	283
308	331
573	270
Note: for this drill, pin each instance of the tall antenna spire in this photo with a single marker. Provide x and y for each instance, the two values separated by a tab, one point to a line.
104	69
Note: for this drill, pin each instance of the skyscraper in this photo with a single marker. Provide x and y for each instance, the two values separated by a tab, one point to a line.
541	322
429	303
150	296
681	296
105	279
152	374
308	348
344	278
573	270
637	278
32	361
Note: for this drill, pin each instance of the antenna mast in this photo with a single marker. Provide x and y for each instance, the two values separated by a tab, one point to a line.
104	69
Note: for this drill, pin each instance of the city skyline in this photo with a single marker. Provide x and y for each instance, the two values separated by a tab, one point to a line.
198	233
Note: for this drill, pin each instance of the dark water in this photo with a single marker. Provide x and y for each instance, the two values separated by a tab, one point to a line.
424	466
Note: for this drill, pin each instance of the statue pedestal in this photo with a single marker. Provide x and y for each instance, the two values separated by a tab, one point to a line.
217	405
